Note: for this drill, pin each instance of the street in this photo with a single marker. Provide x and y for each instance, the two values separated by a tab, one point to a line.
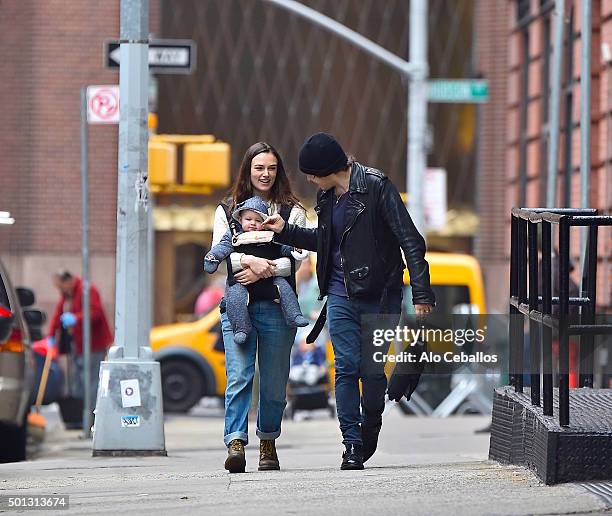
422	466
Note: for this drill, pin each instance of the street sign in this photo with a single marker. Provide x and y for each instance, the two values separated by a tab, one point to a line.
103	104
165	55
434	203
458	91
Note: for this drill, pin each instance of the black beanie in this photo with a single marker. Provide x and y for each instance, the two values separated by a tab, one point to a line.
321	155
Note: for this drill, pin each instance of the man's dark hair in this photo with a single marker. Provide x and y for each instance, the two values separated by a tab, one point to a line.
64	275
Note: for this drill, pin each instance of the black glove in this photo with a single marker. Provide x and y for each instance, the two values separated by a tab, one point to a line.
406	375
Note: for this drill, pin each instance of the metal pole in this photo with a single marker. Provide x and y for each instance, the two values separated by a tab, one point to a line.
85	267
587	314
131	318
129	413
585	115
417	112
534	326
547	380
555	95
415	70
522	297
564	250
514	313
347	34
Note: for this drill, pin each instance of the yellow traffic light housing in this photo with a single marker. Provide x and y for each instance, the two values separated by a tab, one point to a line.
206	164
162	163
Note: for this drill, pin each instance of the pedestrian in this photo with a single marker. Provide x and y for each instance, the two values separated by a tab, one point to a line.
263	174
363	226
66	329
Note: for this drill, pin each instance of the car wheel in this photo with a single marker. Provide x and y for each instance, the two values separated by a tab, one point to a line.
182	385
12	442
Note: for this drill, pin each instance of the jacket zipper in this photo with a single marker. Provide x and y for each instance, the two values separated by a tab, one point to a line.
342	241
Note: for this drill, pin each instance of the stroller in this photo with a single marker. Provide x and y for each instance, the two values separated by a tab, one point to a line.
309	386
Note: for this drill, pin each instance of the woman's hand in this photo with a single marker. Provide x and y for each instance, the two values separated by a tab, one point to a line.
274	223
261	267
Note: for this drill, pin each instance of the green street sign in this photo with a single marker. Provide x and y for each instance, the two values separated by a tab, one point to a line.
458	91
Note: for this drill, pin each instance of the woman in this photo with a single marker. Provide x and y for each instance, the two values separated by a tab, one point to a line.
261	173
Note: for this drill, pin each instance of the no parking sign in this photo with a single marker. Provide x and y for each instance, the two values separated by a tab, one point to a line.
103	104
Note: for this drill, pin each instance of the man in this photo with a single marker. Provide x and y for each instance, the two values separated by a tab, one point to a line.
66	328
362	226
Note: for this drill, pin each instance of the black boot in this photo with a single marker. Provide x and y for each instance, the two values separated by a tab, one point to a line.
352	458
369	436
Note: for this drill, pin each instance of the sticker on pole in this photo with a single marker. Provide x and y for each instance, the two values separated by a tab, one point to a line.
130	393
130	421
103	104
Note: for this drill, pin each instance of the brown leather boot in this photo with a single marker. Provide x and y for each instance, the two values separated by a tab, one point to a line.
268	460
236	461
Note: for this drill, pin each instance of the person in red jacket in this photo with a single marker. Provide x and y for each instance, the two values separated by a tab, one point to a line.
66	328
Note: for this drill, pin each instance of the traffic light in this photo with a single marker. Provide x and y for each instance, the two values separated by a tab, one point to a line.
162	163
206	164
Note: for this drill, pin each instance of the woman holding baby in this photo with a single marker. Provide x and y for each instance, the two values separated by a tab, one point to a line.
261	175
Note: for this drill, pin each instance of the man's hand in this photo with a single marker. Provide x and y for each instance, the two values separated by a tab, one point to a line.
274	223
421	310
261	267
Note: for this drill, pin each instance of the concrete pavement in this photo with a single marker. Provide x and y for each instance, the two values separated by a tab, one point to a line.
423	466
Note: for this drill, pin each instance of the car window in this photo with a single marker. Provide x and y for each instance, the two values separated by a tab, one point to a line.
4	300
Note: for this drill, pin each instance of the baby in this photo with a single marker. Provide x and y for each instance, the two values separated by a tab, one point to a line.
250	214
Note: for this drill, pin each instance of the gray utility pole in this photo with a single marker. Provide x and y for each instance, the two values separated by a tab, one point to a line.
417	112
555	94
85	267
415	71
585	117
129	413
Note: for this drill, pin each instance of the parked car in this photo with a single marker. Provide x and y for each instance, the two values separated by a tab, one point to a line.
17	366
192	361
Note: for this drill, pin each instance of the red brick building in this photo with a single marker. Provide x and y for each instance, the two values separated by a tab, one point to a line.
50	50
514	51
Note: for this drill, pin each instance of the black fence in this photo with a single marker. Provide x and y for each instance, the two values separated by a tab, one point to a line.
532	232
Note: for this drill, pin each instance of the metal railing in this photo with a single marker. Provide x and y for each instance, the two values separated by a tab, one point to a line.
526	300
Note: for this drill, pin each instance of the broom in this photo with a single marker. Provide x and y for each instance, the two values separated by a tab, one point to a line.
36	421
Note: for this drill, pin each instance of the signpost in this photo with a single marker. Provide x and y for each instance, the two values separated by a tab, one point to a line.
165	55
129	412
99	105
458	91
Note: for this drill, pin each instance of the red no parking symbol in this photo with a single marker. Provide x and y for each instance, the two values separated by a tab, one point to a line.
103	104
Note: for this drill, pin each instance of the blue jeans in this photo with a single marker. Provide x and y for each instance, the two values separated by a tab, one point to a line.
345	325
271	341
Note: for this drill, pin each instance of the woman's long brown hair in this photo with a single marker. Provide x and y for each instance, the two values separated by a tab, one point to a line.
281	192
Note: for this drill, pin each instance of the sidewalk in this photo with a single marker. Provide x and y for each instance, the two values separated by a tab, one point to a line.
423	466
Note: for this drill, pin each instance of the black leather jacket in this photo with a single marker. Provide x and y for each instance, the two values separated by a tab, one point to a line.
377	225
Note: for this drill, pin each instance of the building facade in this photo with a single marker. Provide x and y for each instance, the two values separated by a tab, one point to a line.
529	62
51	50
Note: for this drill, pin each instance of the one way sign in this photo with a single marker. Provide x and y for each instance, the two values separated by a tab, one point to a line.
165	55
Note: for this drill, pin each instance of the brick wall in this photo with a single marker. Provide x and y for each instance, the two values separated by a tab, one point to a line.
492	61
52	49
601	129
